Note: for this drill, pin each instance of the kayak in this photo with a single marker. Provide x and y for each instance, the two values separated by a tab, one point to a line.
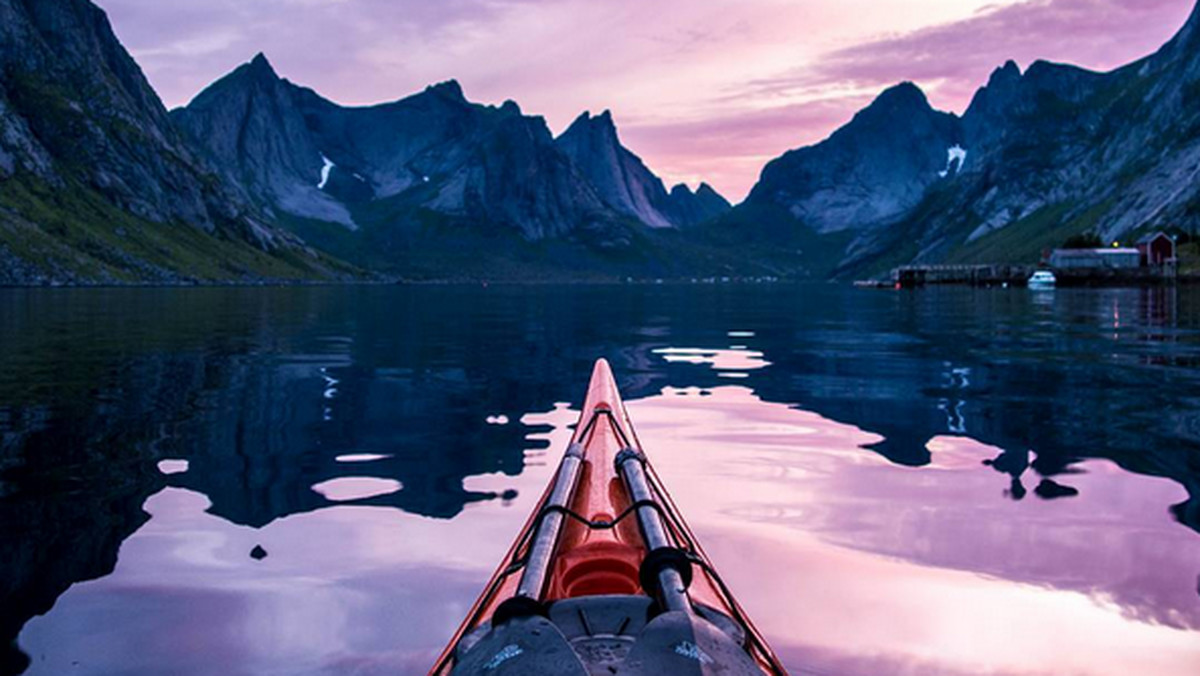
606	577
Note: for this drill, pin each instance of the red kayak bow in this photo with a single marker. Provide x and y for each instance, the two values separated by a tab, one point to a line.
605	577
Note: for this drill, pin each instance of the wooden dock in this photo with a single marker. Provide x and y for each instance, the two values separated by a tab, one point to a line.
910	276
913	276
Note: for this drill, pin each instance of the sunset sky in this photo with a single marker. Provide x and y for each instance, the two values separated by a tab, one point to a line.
701	90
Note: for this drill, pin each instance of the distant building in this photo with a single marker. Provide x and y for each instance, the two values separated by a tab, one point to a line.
1157	248
1122	258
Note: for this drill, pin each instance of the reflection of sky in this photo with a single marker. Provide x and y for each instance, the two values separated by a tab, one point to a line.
342	590
733	359
347	488
849	563
361	457
892	566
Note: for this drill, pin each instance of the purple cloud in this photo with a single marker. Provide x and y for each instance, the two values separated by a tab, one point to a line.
952	61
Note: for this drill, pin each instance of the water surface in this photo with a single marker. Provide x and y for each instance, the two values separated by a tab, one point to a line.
946	481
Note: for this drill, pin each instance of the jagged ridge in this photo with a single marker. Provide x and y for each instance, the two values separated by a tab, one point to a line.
309	157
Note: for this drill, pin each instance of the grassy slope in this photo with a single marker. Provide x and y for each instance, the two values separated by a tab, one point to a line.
1024	241
74	235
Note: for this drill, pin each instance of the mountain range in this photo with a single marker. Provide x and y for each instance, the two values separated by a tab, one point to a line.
258	178
1037	157
434	184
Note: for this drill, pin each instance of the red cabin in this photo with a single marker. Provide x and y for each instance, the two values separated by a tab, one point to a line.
1157	249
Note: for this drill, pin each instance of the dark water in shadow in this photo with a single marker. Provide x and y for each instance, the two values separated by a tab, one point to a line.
947	481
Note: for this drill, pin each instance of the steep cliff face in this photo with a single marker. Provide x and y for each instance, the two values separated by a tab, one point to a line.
75	105
85	142
249	123
620	177
1038	156
1155	139
524	179
870	172
626	184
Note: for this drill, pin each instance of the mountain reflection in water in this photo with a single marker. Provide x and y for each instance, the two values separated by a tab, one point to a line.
949	481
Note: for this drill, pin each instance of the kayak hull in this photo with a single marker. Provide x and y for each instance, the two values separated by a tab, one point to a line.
605	576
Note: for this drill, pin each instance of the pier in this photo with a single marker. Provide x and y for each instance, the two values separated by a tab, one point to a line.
910	276
913	276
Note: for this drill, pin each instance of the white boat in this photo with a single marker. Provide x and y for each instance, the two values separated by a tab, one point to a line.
1042	279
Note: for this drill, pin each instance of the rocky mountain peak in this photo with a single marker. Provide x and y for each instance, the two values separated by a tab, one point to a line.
1040	153
250	123
449	89
902	109
622	180
902	105
692	208
904	97
1050	74
256	74
991	104
1009	72
599	127
869	172
1011	98
261	67
1003	81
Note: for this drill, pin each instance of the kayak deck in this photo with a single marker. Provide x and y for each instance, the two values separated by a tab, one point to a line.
596	636
605	577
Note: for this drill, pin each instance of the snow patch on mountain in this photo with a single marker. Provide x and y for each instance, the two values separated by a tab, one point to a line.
956	157
325	171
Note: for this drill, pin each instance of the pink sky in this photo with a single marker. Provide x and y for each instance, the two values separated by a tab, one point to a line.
702	90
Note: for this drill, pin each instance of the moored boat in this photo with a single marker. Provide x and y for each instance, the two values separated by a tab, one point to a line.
606	577
1042	279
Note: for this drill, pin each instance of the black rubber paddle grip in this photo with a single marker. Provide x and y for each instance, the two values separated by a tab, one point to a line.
518	607
661	559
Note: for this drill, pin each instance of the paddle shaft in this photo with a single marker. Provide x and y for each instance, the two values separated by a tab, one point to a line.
541	549
672	590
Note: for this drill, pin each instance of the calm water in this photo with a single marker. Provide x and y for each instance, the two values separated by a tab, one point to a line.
938	482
